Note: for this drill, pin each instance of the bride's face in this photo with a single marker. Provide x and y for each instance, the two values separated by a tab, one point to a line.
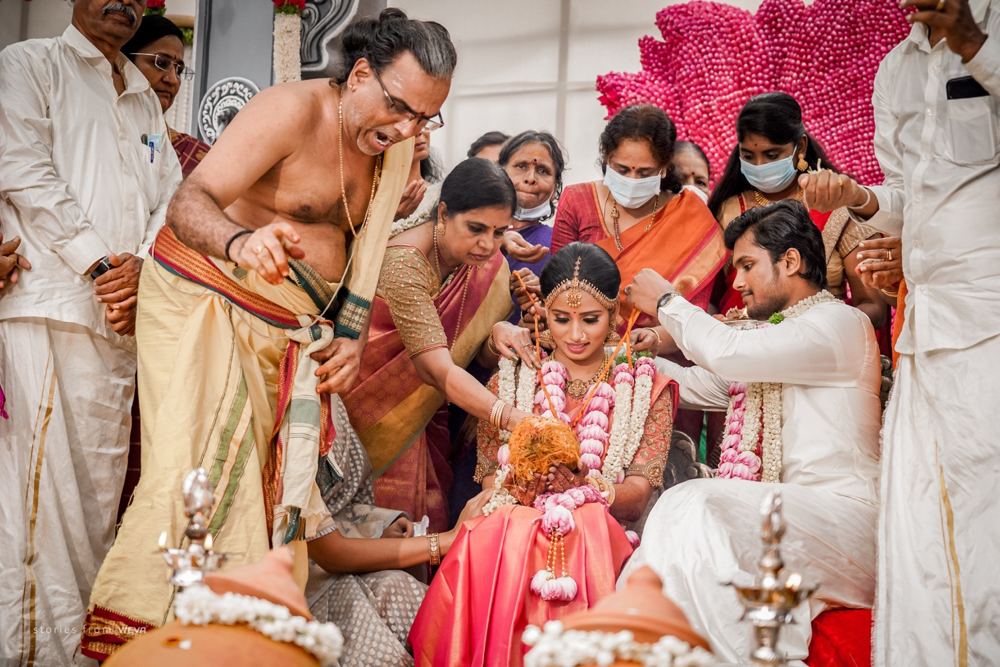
579	333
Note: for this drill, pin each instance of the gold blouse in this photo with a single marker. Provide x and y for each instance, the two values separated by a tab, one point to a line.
409	284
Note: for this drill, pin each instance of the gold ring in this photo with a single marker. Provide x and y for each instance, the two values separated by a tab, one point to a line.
889	253
840	181
940	5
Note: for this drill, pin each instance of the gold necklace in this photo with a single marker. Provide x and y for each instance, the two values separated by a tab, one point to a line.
764	201
578	388
615	214
465	288
376	177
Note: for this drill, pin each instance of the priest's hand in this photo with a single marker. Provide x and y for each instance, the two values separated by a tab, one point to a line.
401	527
517	248
826	190
881	265
11	263
645	340
561	479
268	250
954	20
646	289
341	361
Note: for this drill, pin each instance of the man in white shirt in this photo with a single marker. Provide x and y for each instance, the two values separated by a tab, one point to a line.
803	415
86	171
937	138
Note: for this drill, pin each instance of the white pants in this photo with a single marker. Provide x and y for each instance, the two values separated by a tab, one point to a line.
63	455
938	599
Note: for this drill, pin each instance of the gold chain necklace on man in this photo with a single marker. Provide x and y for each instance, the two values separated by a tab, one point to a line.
615	213
764	201
578	388
376	177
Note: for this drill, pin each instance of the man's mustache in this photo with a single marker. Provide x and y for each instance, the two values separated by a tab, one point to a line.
121	9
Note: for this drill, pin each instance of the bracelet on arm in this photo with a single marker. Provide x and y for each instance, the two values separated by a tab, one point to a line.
496	410
435	549
233	238
506	420
868	199
892	291
659	341
491	344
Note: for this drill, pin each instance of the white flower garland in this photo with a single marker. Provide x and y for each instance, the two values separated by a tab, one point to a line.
287	47
617	438
771	445
198	605
555	647
629	425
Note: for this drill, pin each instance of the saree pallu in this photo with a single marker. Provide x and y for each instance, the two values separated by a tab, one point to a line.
214	355
402	421
479	602
683	241
190	151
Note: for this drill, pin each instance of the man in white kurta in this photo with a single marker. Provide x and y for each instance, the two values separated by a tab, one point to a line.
937	139
78	183
704	532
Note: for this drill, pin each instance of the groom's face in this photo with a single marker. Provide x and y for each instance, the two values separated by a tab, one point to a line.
758	279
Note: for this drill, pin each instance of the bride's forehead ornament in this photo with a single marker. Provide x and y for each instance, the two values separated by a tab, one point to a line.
575	288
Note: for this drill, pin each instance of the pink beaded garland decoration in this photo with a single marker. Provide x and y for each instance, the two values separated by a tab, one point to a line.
714	57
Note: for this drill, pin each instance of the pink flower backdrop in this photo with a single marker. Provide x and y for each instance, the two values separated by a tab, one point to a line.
713	57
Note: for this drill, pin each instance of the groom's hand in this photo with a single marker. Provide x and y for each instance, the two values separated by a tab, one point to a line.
341	361
646	290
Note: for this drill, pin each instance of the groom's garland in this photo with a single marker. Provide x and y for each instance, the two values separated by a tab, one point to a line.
751	448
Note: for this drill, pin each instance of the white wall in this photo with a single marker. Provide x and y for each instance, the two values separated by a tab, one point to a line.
533	64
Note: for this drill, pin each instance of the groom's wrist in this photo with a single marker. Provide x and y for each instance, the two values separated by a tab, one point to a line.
665	299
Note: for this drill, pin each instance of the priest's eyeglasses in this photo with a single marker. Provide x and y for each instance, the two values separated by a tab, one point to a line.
162	62
401	108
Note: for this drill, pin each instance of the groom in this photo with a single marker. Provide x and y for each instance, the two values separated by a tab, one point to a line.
806	420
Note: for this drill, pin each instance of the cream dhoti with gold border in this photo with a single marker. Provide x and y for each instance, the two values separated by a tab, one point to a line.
63	453
938	597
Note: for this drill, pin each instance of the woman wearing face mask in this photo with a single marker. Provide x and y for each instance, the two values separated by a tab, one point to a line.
641	216
443	287
157	49
774	149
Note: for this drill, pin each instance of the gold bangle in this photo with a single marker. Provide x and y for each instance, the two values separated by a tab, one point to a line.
435	549
659	341
491	345
603	485
888	293
496	412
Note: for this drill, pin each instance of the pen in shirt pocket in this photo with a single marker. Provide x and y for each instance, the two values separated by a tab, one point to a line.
155	143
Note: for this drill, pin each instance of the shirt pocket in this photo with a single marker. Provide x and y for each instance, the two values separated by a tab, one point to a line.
973	130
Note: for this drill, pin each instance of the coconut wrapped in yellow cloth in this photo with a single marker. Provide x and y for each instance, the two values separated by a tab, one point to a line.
249	616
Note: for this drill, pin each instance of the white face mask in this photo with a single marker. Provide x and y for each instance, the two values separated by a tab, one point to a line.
631	192
537	213
770	177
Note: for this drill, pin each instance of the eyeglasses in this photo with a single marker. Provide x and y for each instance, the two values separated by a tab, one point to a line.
400	108
162	62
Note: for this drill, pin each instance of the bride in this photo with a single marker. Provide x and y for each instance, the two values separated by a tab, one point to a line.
552	542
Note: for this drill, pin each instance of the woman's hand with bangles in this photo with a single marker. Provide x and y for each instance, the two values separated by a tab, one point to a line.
513	342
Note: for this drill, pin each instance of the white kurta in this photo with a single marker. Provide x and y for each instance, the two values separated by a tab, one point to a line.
938	597
705	532
76	183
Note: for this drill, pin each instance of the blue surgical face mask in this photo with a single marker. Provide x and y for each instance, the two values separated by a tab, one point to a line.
770	177
631	192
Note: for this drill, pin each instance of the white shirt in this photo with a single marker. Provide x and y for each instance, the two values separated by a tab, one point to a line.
76	181
941	160
828	363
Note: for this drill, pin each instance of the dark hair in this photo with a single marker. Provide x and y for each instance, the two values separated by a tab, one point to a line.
780	226
430	168
778	118
489	139
151	28
515	143
682	146
596	265
477	183
381	40
643	122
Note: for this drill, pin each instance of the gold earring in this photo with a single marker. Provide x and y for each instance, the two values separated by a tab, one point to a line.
613	338
803	165
545	339
440	227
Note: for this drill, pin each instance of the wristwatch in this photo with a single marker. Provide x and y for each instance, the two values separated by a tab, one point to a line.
665	299
102	267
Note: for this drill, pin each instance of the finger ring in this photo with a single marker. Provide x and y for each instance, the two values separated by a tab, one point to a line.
888	255
257	249
940	5
628	288
840	181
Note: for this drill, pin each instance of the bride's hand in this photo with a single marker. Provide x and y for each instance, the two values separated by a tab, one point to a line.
526	494
561	479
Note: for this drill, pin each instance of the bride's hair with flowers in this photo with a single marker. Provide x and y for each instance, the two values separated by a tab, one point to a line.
596	267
